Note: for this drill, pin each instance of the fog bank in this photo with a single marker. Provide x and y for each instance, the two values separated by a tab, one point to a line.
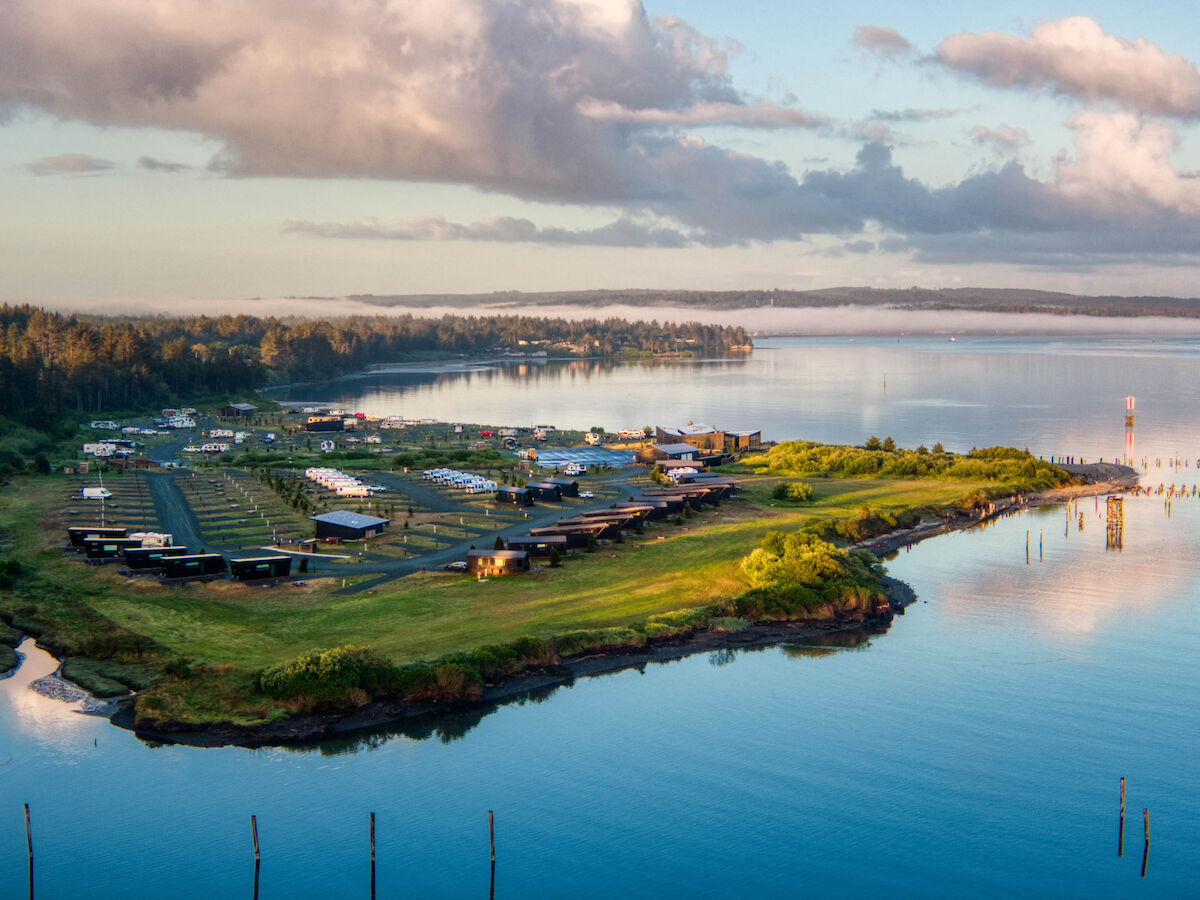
775	321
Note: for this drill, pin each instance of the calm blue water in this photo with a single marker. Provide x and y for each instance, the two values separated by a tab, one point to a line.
973	750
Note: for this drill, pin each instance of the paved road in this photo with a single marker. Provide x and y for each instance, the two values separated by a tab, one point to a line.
174	512
540	515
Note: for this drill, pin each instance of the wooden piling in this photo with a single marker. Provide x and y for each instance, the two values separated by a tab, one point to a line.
1146	823
492	834
29	849
372	856
254	836
1121	823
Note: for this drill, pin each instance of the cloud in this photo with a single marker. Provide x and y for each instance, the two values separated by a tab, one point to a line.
859	246
69	164
159	165
1122	168
881	40
1074	57
590	102
623	232
750	115
1005	138
911	114
568	101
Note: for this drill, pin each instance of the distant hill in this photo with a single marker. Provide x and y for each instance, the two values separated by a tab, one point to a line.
1009	300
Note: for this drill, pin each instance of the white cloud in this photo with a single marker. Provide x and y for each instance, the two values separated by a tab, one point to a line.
881	40
69	164
1076	58
1122	167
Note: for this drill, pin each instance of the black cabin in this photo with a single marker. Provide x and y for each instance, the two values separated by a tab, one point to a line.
539	546
544	490
150	557
275	565
77	534
518	495
109	548
194	565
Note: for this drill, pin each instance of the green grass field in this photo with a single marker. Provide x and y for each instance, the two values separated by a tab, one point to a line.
426	615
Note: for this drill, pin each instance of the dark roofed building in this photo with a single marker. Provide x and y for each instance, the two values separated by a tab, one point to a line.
194	565
497	562
667	451
273	565
705	437
348	526
109	547
77	534
150	557
233	410
544	490
318	424
518	495
568	486
539	546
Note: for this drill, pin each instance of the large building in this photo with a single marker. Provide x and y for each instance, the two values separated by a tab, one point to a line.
235	410
319	424
705	437
348	526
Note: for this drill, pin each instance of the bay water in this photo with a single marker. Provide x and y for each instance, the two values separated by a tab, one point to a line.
975	749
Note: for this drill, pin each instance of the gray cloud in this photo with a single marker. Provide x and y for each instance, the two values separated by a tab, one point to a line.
557	100
69	164
623	232
881	40
573	101
858	246
911	114
1006	138
159	165
1075	57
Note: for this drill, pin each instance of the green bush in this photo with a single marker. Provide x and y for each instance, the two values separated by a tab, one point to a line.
327	674
793	491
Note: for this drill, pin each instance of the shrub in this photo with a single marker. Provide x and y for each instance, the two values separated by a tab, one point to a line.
793	491
328	674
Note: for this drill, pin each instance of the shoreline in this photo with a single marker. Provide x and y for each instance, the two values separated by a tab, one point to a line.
307	729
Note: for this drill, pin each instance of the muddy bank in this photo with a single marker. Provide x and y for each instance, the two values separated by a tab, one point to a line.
854	625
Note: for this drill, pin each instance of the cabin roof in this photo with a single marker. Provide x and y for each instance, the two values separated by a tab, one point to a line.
348	519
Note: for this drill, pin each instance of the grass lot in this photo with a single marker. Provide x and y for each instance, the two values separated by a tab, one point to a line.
426	615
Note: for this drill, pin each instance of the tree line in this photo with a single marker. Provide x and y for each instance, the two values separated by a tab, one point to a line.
52	364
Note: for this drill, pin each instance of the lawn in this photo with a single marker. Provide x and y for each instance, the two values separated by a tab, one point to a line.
429	614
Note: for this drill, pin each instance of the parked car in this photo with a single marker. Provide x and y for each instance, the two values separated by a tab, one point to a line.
457	566
586	495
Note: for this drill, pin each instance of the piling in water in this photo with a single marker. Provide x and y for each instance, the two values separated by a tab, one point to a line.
254	836
492	835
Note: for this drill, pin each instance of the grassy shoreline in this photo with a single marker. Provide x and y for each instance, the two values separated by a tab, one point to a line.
195	654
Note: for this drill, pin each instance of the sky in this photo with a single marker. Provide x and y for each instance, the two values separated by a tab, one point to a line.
183	151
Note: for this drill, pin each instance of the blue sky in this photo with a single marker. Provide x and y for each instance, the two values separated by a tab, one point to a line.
188	150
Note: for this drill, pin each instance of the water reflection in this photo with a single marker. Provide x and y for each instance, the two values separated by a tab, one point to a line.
1076	588
39	704
1055	397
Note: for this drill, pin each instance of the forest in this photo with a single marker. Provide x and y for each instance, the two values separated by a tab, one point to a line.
53	365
